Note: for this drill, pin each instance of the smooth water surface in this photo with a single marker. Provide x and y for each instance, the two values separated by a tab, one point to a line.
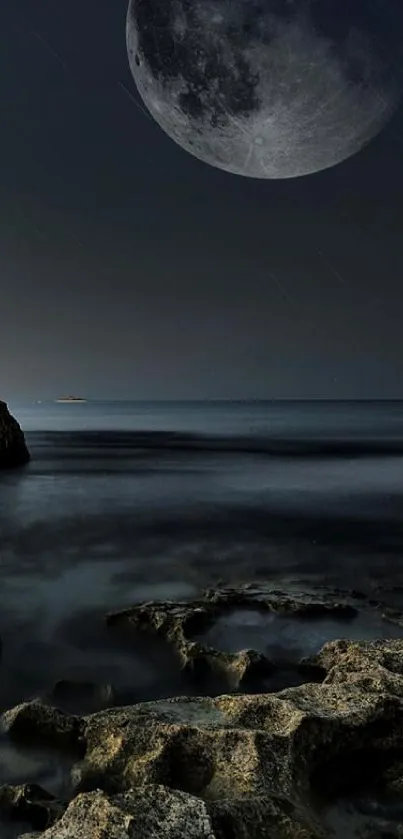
124	502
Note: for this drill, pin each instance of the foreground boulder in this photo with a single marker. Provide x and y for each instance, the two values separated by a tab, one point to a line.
322	758
268	766
13	448
143	813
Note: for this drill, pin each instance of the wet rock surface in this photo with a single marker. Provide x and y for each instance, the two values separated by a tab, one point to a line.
13	448
256	637
318	759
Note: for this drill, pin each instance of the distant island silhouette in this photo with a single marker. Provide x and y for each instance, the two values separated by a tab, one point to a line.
70	399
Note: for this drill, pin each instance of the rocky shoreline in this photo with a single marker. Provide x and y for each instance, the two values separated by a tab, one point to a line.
323	757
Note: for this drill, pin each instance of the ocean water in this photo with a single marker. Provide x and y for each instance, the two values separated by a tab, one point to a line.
128	501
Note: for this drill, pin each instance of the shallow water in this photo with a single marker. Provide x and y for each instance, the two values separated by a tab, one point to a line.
125	502
367	819
286	639
50	769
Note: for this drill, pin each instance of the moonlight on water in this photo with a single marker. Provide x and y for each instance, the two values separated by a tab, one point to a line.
267	88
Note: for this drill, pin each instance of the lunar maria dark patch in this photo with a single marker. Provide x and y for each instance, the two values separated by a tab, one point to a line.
268	88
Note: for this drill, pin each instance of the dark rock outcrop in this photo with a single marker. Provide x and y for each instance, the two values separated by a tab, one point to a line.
13	448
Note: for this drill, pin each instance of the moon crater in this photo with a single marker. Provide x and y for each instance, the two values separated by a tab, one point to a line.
267	88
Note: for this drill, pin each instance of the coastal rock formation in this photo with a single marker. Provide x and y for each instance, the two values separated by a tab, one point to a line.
272	766
13	448
183	626
142	813
319	759
37	723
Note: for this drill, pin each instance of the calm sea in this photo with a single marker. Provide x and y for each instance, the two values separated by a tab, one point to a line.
125	501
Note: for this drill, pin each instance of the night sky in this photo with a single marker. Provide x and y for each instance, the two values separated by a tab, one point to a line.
131	270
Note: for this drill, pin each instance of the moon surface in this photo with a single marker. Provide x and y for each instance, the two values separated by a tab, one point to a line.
268	88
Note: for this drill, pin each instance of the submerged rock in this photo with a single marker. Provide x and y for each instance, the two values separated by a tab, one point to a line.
13	448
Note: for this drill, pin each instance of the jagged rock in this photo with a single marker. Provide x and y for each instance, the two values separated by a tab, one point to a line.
36	723
150	812
263	766
370	665
156	812
239	765
237	746
318	601
178	623
13	448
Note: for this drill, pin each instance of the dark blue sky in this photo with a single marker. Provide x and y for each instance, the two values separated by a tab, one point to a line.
130	269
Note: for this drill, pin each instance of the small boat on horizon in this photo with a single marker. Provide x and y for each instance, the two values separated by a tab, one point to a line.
70	399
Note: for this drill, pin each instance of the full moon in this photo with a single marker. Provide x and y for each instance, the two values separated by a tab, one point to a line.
267	88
